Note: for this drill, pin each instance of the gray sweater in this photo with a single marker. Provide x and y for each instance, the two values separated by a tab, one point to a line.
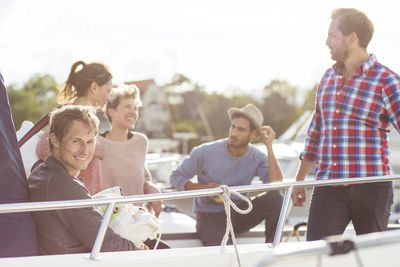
69	230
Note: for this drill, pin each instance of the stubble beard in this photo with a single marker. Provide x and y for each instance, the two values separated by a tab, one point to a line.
340	59
239	145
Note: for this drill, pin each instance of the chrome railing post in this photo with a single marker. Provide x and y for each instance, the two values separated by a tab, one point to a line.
282	216
94	255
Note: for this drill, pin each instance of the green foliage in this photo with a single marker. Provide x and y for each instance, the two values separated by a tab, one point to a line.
192	109
309	103
23	106
34	99
279	108
202	113
216	106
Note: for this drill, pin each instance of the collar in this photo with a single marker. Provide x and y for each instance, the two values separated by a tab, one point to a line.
57	164
364	67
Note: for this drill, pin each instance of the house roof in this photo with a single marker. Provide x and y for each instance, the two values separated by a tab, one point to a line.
142	84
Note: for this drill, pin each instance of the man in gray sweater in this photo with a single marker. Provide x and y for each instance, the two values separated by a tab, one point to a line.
72	141
233	162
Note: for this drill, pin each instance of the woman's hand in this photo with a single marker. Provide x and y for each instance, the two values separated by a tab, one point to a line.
156	206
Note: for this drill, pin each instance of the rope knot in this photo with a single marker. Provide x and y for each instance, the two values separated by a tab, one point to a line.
228	203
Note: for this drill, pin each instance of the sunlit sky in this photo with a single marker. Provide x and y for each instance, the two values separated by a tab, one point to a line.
219	44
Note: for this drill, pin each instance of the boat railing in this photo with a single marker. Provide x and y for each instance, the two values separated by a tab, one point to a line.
331	247
111	202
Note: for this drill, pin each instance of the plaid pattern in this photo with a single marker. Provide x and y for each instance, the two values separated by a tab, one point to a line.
348	134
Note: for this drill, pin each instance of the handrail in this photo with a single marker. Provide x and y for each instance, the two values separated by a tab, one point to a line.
82	203
288	186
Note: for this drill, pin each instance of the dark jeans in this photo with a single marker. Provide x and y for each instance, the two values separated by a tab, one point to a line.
211	225
332	208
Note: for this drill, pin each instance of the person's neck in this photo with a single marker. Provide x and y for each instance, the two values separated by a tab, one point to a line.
353	61
83	100
237	151
55	154
118	133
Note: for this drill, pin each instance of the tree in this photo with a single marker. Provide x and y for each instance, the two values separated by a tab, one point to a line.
185	98
280	107
309	103
45	89
195	110
34	99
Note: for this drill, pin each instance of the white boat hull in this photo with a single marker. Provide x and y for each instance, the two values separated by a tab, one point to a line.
250	255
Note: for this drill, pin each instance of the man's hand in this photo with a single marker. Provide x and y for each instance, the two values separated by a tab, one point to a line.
156	206
267	135
143	247
298	196
211	185
196	186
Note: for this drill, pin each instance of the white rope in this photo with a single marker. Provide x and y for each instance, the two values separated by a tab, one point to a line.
228	203
158	241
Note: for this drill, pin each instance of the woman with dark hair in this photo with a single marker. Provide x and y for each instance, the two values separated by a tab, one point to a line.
89	85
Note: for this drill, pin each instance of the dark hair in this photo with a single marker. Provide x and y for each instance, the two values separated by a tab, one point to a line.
79	81
120	92
239	115
353	20
61	119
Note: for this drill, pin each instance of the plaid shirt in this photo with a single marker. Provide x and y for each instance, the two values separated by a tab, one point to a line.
347	136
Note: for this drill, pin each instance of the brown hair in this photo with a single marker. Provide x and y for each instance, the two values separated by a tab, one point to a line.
79	81
120	92
353	20
61	119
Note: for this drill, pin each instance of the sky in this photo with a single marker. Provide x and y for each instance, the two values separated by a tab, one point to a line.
224	45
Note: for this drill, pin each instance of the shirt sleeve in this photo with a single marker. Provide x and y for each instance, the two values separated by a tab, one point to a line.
84	223
313	135
43	149
186	170
391	99
262	170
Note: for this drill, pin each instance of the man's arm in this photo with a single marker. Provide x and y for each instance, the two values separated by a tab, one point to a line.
84	223
274	170
150	188
299	193
391	99
180	178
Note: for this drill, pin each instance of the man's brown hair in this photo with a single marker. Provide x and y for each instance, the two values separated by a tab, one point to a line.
353	20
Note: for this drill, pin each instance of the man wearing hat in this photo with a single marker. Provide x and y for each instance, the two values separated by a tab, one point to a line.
233	162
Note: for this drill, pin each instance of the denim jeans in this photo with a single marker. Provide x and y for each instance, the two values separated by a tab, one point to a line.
211	225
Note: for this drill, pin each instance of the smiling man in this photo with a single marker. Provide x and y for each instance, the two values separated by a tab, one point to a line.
233	162
72	141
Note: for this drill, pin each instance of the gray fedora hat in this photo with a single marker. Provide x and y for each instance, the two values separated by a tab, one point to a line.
252	113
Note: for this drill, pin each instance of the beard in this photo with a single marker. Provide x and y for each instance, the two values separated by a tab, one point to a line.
236	143
340	55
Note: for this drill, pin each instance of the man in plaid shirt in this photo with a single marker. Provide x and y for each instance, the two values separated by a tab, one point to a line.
356	100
